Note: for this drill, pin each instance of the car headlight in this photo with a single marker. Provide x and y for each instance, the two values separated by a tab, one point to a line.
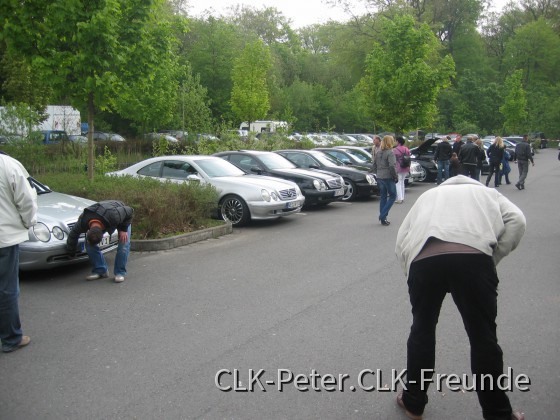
319	185
265	195
42	232
58	233
370	179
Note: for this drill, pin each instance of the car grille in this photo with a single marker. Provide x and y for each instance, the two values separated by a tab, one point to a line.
334	183
288	194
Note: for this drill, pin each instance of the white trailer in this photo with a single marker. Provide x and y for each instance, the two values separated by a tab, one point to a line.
261	126
62	117
58	117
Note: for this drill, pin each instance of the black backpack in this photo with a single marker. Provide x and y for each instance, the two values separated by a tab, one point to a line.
405	161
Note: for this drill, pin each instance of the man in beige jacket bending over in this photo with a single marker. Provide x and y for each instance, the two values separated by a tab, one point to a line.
450	242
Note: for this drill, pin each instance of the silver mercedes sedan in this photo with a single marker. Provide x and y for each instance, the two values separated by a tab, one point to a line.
242	196
56	215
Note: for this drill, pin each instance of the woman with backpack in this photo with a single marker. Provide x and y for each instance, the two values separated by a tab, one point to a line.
402	155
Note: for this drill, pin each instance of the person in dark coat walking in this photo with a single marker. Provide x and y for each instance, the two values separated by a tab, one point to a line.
95	221
496	157
522	157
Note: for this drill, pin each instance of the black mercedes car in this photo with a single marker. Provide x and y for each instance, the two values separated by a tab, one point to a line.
359	183
319	187
354	160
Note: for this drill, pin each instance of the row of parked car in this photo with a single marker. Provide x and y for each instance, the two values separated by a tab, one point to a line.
251	184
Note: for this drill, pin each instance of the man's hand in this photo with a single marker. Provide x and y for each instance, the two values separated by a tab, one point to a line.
123	237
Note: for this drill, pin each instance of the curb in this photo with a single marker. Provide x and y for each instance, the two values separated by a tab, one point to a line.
180	240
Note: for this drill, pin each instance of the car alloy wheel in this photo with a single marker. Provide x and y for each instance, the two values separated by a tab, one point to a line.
234	209
351	192
424	174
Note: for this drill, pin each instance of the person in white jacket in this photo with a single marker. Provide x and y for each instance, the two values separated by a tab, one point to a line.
18	210
450	242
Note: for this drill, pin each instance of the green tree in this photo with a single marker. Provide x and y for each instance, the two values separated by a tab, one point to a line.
535	49
83	48
249	95
514	108
404	74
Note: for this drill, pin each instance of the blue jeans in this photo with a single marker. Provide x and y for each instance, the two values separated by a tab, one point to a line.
388	190
10	325
442	170
98	260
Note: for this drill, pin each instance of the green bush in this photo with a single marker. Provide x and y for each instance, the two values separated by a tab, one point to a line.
160	209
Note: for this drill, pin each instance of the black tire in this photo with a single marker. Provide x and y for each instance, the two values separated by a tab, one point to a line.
351	190
234	209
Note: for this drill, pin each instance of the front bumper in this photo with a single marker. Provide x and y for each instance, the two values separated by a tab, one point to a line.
261	210
313	196
44	256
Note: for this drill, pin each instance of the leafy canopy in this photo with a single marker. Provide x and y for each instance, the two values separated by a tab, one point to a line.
404	74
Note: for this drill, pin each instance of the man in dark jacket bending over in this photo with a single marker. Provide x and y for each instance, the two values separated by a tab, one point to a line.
105	216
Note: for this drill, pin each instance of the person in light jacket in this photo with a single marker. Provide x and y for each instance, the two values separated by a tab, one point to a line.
384	166
451	242
18	212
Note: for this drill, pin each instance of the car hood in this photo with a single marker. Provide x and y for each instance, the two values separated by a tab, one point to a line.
259	181
306	173
423	147
55	207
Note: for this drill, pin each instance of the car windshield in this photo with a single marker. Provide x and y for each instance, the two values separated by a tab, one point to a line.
40	188
275	161
327	160
216	168
359	155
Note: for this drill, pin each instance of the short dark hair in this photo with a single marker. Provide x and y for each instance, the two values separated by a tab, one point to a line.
400	140
94	235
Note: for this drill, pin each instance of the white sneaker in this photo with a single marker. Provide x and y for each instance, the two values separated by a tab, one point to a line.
96	276
119	279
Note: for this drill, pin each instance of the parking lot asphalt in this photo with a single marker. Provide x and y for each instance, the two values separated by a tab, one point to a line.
307	307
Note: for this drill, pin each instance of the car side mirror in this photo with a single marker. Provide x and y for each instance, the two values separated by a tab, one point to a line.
313	166
256	170
193	177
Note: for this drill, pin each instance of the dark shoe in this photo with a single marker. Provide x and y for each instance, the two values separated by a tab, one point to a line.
507	182
516	415
385	222
408	414
523	187
25	340
518	187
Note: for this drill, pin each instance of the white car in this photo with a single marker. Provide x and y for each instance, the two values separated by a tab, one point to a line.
242	197
57	213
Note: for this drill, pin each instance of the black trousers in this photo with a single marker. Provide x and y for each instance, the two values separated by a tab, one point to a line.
494	169
469	170
472	281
